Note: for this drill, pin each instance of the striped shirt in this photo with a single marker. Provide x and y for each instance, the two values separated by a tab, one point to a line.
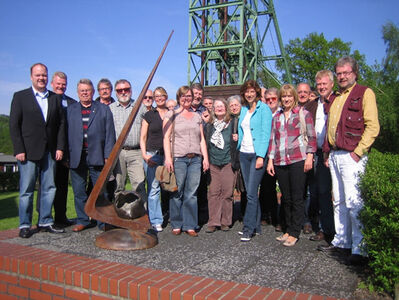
85	121
287	145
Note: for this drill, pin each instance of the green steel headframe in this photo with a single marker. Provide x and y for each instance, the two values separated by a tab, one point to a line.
233	41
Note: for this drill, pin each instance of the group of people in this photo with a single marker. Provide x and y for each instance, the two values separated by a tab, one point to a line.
314	147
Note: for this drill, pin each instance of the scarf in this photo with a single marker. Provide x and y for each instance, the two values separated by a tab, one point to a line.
217	137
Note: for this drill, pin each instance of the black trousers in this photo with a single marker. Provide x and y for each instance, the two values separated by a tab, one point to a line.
292	180
61	195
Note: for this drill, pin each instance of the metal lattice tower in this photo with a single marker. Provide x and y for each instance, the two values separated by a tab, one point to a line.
232	41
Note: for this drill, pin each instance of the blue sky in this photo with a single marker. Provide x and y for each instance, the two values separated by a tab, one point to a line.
122	38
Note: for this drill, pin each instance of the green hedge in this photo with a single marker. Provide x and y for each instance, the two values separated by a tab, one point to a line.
9	181
380	216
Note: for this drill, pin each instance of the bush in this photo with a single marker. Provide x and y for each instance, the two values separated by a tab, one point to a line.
380	216
9	181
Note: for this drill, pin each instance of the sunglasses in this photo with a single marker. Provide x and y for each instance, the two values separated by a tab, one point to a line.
148	97
125	90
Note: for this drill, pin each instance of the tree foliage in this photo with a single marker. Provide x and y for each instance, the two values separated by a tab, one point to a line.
314	53
5	140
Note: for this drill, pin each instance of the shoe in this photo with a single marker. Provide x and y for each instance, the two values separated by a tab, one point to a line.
51	229
264	223
283	237
79	227
225	228
176	231
307	229
192	233
210	229
278	228
240	232
331	249
64	223
245	238
158	227
317	237
356	260
290	241
25	233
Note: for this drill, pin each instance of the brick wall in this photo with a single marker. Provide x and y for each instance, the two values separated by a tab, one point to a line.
31	273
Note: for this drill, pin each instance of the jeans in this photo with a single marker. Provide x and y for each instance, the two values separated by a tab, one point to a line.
79	183
252	178
29	171
292	179
183	203
347	201
154	189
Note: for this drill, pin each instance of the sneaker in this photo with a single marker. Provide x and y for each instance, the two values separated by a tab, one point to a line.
245	238
240	232
158	227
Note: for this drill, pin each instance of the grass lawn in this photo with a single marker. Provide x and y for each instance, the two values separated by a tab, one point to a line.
9	209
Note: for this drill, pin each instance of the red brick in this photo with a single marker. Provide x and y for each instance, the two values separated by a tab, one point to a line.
14	265
104	284
302	297
76	295
8	297
77	280
237	290
8	278
60	274
113	287
68	277
52	289
45	272
95	283
227	286
29	268
276	294
18	291
198	287
263	293
3	287
38	295
166	292
58	298
207	291
250	291
85	280
6	266
181	288
317	297
1	261
288	295
31	284
21	267
143	291
133	288
36	270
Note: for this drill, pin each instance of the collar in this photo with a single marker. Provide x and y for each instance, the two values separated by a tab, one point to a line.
348	90
40	94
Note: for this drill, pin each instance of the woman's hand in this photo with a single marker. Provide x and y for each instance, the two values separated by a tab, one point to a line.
270	167
149	162
234	137
169	165
205	165
308	162
259	163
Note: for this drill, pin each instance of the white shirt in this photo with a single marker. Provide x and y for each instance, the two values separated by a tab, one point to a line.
42	100
320	124
247	145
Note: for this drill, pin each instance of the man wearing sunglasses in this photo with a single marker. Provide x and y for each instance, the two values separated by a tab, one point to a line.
130	159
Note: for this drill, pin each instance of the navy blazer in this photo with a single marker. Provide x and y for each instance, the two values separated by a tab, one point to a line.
30	133
100	134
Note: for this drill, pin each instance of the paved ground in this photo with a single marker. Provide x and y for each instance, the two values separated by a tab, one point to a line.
263	261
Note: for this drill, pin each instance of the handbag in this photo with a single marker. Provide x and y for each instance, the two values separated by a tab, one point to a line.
166	179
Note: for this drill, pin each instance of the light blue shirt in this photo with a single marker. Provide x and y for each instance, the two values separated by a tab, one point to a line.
42	100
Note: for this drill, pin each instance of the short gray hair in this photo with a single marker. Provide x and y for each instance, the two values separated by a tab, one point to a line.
86	81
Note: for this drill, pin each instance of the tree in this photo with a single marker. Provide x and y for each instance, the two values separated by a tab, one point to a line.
314	53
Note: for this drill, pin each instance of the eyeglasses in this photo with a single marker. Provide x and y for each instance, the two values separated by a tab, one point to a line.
125	90
271	99
103	89
148	97
343	74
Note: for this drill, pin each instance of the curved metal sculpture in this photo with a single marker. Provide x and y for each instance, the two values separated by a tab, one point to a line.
133	234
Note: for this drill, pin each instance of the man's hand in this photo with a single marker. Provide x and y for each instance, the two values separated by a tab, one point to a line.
58	155
355	157
21	156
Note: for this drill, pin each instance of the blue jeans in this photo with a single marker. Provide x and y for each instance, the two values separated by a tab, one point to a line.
252	178
183	203
154	189
79	183
29	171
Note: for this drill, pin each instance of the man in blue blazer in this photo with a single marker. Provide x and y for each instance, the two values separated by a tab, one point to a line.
38	136
91	137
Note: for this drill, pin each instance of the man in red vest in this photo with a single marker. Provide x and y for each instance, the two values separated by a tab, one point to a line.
352	128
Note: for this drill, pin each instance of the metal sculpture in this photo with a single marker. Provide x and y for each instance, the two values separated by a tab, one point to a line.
133	234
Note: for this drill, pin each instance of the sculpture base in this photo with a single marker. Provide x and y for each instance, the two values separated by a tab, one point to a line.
124	239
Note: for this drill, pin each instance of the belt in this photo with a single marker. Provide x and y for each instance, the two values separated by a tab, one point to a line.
191	155
130	148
